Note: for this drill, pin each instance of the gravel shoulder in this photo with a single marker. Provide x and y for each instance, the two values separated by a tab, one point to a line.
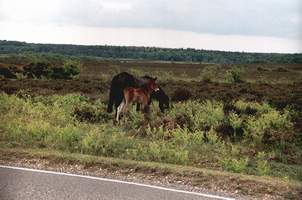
172	176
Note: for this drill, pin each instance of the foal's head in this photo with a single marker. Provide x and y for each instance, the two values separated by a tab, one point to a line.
151	85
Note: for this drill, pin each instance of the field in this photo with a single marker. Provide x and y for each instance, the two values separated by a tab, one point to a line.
238	118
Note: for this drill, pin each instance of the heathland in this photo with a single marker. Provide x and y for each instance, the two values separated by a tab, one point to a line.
236	116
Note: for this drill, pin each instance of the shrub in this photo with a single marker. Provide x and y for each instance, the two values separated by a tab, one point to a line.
208	73
107	141
38	69
89	112
232	159
208	114
211	136
252	107
200	115
262	166
273	120
235	165
234	75
235	122
69	70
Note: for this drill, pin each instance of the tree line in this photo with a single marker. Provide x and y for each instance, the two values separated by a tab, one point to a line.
149	53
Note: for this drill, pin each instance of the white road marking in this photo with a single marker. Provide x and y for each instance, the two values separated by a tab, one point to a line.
117	181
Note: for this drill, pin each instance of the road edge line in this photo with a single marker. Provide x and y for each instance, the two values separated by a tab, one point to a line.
116	181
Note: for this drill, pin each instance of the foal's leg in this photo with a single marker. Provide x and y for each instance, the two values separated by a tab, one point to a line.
119	110
125	106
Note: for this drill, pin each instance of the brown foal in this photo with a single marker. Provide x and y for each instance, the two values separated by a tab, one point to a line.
137	95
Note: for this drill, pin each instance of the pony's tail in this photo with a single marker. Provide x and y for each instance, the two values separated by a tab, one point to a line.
111	101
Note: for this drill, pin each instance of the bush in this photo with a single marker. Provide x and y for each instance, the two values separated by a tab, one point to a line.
235	165
235	122
107	141
256	127
92	113
69	70
208	114
251	108
262	164
44	69
234	75
208	73
38	69
199	115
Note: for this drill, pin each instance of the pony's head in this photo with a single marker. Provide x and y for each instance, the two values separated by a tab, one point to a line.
164	103
163	99
152	84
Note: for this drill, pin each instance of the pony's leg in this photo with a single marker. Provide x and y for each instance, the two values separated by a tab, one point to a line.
119	99
119	110
125	107
111	100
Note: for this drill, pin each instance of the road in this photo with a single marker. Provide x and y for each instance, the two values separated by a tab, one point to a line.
22	183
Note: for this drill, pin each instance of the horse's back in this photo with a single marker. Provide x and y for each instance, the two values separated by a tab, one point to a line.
123	80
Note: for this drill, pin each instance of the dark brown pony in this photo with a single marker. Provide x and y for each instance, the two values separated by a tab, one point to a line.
137	95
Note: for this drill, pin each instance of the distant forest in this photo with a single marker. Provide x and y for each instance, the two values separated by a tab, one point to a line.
148	53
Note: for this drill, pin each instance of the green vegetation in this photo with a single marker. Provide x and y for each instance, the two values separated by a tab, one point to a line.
226	117
149	53
234	75
57	66
39	67
248	138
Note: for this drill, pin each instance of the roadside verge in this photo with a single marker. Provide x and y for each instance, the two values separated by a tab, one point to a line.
188	178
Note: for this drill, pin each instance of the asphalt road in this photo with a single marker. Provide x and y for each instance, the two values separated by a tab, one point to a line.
19	183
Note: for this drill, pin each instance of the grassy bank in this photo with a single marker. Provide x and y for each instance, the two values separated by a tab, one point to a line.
242	137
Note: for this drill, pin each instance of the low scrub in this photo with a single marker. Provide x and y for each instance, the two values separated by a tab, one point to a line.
190	133
234	75
42	69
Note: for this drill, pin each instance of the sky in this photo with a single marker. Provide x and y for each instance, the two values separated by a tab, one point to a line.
231	25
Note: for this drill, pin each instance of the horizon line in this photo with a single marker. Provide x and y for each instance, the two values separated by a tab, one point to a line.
158	47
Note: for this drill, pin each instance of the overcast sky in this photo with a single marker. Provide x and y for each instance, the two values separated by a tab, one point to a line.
234	25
